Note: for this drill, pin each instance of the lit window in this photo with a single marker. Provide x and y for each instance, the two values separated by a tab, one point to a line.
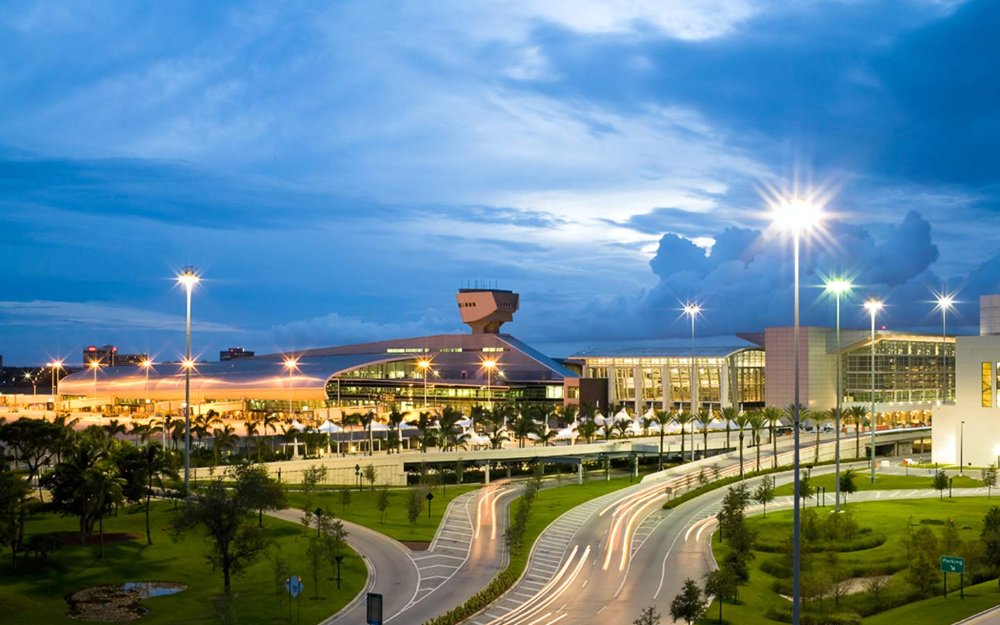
987	385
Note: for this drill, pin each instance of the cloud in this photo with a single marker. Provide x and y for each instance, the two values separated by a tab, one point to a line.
48	314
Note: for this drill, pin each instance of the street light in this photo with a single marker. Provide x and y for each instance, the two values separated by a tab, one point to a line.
692	310
292	364
424	364
54	367
34	382
188	279
838	287
489	365
945	302
873	306
796	216
357	475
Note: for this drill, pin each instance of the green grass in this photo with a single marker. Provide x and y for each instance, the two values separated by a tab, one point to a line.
888	520
882	482
34	593
362	510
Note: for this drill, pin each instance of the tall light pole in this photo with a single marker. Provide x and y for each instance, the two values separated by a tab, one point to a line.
961	448
424	364
489	365
692	310
55	366
188	279
873	306
945	302
797	216
291	364
838	287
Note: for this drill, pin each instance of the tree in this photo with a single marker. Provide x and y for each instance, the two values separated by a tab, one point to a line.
370	475
663	419
395	419
345	499
773	417
704	419
990	536
524	423
682	419
742	421
382	502
70	496
805	488
847	485
722	585
311	478
648	616
922	568
233	544
756	421
34	442
100	489
415	504
859	415
424	432
14	503
728	414
989	478
764	494
315	558
153	464
257	490
940	482
950	540
224	439
689	605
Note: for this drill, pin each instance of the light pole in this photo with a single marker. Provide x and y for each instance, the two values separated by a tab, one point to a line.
961	448
424	364
838	287
489	365
797	216
291	364
873	306
188	279
945	302
55	366
692	310
146	365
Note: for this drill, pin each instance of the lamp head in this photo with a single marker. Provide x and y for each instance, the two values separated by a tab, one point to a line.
187	364
489	364
838	286
56	364
147	364
188	278
692	309
796	214
945	301
424	363
873	306
94	364
291	363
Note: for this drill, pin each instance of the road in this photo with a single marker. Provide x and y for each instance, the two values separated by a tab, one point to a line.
464	556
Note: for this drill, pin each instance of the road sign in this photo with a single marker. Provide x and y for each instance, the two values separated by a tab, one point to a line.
374	608
294	585
951	564
430	496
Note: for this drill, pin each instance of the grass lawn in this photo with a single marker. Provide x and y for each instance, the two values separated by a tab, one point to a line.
919	479
34	593
885	555
362	509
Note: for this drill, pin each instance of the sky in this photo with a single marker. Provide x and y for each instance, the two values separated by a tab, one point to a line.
335	171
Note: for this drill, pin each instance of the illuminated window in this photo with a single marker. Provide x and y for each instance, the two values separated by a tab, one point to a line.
987	384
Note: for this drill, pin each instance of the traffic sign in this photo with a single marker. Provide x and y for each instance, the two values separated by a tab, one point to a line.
952	564
374	608
294	585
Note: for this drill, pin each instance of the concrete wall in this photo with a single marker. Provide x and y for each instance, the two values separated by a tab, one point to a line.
978	441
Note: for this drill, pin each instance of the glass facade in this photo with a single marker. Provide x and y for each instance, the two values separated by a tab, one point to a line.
906	370
666	380
987	384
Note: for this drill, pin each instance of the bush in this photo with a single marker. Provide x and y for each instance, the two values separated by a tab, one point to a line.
784	615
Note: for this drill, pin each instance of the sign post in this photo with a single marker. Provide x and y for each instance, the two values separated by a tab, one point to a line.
430	496
294	585
953	564
374	608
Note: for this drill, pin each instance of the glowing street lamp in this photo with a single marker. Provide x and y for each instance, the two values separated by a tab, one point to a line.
94	365
873	306
838	287
490	366
796	216
692	310
34	383
291	364
424	364
55	366
189	279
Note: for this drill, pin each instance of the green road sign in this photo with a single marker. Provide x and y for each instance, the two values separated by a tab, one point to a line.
951	564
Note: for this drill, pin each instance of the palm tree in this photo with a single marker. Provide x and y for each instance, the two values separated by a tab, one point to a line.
141	431
729	415
251	425
424	429
269	421
586	428
742	420
772	416
622	426
663	418
546	436
155	465
524	423
704	419
451	432
224	439
682	419
647	422
859	414
395	422
101	490
757	422
366	419
112	428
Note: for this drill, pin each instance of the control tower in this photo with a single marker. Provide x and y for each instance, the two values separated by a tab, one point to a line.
485	310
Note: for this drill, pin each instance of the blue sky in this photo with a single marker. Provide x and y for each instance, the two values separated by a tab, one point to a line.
337	170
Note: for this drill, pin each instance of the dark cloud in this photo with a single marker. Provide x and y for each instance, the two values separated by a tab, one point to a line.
662	220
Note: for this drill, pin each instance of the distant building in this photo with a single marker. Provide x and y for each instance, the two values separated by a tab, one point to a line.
234	353
108	356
